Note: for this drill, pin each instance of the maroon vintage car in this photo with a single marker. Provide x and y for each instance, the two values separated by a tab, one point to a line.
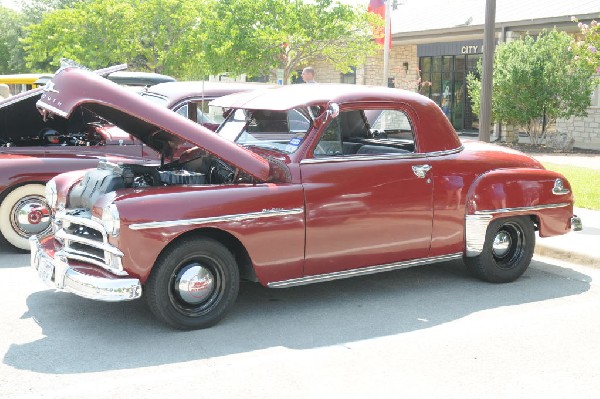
34	149
303	184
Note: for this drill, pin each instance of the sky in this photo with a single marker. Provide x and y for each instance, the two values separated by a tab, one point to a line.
9	4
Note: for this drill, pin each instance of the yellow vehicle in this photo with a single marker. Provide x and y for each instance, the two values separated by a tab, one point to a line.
20	82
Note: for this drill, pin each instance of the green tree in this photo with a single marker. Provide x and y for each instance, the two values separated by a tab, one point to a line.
95	34
259	36
146	34
536	81
164	30
11	55
193	38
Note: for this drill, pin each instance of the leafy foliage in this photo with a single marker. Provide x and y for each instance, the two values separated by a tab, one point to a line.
95	34
259	36
11	56
536	81
193	38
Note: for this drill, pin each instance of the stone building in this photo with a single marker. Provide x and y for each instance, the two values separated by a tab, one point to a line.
440	42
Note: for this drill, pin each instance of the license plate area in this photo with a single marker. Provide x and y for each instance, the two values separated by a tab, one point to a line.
45	270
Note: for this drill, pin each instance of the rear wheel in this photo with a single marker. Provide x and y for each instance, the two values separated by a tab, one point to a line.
193	284
507	251
24	212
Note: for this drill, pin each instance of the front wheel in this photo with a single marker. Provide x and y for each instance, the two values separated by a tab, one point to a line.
507	251
193	284
24	212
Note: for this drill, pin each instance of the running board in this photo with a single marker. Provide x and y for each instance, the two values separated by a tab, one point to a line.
319	278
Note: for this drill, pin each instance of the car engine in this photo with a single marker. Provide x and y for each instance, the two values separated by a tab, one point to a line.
109	177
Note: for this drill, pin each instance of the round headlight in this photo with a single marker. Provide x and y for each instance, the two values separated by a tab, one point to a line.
110	219
51	194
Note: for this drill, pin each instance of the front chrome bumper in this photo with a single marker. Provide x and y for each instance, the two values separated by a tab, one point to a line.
576	223
91	282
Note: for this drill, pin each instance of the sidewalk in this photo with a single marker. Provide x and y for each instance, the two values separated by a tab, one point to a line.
581	247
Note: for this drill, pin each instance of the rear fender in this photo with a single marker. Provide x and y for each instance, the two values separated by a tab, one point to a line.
544	195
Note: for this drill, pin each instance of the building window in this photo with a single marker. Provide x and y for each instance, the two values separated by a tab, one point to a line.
350	77
446	85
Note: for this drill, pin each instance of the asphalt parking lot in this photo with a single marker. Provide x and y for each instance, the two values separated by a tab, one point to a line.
422	332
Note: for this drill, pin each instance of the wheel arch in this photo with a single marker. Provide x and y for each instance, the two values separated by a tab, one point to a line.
507	248
516	189
231	242
9	189
541	194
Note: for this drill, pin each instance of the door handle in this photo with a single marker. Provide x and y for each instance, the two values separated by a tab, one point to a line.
421	170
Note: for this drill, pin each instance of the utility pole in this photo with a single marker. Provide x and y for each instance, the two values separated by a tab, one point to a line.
489	34
386	41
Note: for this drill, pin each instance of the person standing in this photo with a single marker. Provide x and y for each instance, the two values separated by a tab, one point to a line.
308	75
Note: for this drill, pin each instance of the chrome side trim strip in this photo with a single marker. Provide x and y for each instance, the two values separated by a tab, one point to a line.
362	271
445	152
475	229
218	219
349	158
522	209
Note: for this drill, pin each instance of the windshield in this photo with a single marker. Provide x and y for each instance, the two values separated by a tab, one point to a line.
282	131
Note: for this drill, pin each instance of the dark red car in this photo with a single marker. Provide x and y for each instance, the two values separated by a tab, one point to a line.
303	184
34	149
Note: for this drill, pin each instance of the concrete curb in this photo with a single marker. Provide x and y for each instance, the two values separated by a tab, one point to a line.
580	247
543	249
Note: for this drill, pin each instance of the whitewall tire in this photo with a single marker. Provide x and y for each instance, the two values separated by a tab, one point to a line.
24	212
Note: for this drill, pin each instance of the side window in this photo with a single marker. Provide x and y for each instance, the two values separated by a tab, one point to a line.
207	114
331	141
393	124
367	132
183	111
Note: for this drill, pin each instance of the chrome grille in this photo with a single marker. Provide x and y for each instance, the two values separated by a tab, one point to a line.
84	239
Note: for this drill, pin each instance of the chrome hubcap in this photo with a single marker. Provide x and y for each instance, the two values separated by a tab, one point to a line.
195	284
502	243
30	216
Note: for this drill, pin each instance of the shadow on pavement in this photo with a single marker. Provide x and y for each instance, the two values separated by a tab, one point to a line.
84	336
12	257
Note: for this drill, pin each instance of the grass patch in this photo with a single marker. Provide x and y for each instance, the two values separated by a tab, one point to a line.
585	183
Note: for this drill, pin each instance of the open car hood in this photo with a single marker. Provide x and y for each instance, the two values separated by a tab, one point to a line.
72	89
17	111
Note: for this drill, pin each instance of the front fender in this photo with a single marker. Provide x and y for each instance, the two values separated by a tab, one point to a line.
267	219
